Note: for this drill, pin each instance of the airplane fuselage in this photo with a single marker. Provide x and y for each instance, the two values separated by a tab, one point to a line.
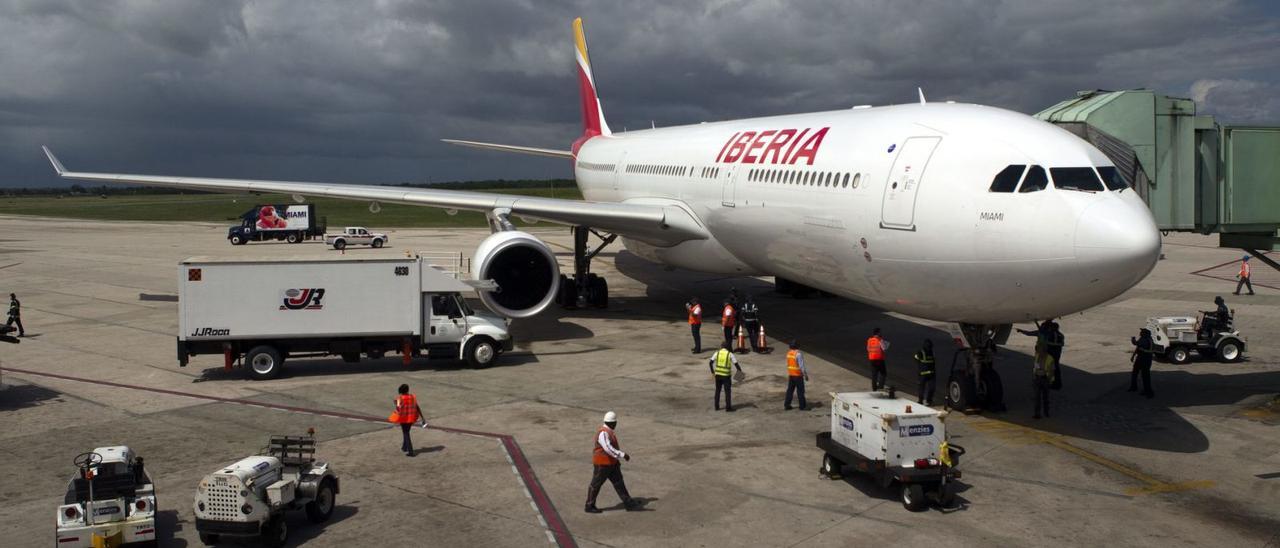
890	206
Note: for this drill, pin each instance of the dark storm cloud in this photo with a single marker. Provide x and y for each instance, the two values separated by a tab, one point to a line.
336	90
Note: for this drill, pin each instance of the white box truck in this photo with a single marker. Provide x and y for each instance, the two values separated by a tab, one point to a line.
894	441
269	311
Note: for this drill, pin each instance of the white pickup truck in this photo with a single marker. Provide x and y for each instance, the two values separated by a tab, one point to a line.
355	235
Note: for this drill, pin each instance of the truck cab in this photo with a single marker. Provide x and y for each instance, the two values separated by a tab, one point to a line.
452	328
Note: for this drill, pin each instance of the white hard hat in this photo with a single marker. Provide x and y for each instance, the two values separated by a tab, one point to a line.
610	417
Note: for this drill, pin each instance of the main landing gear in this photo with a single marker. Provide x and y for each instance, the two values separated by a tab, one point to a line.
974	383
585	288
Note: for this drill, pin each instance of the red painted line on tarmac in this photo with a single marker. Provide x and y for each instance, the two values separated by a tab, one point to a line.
543	502
1202	271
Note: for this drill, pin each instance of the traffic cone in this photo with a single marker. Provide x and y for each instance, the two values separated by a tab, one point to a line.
762	343
742	341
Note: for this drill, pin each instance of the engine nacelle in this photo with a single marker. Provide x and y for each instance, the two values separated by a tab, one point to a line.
525	269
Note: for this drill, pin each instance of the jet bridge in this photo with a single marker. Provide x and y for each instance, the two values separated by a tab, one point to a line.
1195	174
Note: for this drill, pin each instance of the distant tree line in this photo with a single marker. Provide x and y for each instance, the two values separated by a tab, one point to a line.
116	190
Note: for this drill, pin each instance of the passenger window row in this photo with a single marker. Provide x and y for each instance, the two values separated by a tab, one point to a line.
829	179
655	169
710	172
1085	179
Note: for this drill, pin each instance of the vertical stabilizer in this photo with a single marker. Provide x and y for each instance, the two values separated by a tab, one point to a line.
593	123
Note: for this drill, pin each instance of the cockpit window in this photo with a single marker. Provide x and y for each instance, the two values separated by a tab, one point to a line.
1007	179
1035	180
1076	178
1111	177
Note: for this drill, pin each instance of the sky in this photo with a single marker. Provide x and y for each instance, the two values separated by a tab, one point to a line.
362	92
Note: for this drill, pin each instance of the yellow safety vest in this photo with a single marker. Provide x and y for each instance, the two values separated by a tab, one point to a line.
724	367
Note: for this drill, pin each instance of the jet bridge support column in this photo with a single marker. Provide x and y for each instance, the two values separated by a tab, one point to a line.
974	383
585	287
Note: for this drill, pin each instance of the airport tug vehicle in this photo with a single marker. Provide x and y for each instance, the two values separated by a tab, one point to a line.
1174	337
109	502
895	441
249	498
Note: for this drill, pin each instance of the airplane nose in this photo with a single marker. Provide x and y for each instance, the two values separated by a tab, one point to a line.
1117	241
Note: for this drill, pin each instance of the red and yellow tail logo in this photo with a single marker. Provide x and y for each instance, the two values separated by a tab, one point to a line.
593	123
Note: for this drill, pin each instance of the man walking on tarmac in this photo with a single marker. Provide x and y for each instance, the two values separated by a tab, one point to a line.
875	354
1244	276
722	364
797	375
728	318
750	314
1041	377
605	455
694	308
1141	358
15	314
406	414
925	361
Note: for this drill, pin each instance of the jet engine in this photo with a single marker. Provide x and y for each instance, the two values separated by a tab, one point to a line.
524	269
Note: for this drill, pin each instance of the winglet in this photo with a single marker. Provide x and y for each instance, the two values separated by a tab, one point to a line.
57	166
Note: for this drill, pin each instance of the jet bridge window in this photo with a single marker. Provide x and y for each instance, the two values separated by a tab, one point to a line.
1007	179
1076	178
1111	177
1035	180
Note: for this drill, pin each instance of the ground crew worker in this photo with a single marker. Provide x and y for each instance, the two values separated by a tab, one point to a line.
1055	344
797	375
722	364
928	372
1041	377
875	354
605	465
694	308
15	314
728	318
750	315
1243	275
1141	358
406	414
1217	319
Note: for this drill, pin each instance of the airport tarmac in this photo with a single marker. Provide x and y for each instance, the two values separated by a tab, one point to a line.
1198	465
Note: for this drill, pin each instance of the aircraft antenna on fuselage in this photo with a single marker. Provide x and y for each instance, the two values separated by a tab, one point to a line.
921	92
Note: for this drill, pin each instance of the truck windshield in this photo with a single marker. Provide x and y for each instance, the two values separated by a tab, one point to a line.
462	305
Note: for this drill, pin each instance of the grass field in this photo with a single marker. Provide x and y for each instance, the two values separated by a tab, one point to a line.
228	208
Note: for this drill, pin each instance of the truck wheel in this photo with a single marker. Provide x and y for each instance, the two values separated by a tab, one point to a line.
209	539
276	532
1178	355
913	497
237	239
320	509
480	352
377	243
1229	351
960	391
339	244
831	466
264	363
293	238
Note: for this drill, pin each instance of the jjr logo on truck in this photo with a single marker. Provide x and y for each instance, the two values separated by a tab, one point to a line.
210	332
915	430
303	299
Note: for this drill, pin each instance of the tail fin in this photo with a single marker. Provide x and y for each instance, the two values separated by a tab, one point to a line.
592	114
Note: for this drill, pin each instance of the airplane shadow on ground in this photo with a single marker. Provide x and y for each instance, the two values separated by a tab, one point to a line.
835	329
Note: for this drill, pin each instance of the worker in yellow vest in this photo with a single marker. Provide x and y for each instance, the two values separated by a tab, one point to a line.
797	375
722	364
928	372
1243	275
406	414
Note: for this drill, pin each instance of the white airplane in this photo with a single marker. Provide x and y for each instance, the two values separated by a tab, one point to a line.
951	212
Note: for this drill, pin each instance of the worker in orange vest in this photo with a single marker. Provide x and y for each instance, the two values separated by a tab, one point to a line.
797	375
876	346
406	414
605	455
728	318
694	308
1244	276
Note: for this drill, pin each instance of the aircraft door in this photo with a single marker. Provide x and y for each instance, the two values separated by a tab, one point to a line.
897	210
618	170
727	190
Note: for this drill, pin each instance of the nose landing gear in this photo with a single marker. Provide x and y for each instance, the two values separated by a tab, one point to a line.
974	383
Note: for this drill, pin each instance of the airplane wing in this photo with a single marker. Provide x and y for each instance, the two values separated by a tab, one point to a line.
662	224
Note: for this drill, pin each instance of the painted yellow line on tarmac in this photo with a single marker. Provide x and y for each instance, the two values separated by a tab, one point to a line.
1024	435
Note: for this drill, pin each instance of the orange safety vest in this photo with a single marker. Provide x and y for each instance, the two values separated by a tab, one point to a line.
874	350
406	410
695	315
726	317
598	456
1244	269
793	365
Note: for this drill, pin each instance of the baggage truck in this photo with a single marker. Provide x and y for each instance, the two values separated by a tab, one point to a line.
894	441
292	223
267	312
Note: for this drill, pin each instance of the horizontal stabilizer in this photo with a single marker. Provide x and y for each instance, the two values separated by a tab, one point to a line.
513	148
